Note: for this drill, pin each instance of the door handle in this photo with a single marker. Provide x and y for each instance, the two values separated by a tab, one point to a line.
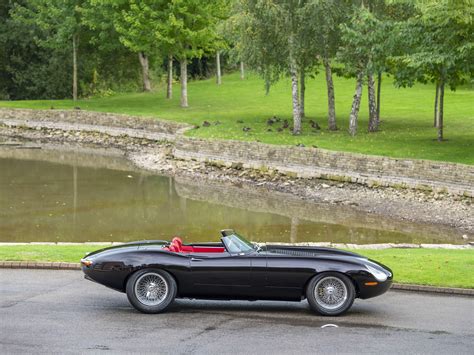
196	259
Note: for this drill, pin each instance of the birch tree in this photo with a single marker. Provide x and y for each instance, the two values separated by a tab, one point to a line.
274	43
364	43
328	16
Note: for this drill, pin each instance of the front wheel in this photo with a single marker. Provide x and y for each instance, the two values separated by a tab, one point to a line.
330	293
151	290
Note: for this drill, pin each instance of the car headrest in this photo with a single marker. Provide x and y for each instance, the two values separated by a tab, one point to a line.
177	241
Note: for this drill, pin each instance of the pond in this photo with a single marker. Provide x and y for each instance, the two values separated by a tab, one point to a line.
80	196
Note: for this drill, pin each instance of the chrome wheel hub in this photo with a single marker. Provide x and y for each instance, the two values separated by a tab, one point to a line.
330	292
151	289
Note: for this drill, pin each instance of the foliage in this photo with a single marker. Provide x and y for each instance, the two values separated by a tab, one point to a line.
438	44
274	31
34	64
191	26
133	24
365	41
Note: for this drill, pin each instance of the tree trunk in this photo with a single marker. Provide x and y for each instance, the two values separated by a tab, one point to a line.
242	71
267	87
218	68
200	68
184	82
74	67
379	92
295	100
145	71
331	101
169	82
354	115
302	93
440	111
435	120
373	127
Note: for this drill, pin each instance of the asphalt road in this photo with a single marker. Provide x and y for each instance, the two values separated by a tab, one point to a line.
59	312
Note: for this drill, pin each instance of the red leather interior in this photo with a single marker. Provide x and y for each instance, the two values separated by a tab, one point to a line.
177	246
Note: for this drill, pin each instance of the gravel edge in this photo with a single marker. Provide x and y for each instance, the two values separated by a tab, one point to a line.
36	265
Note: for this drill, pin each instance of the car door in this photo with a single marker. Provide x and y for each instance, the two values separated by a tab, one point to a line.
286	276
216	275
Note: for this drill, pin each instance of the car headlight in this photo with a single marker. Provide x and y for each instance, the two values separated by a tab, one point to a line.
378	274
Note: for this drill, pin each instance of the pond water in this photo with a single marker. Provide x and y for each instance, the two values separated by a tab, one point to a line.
60	196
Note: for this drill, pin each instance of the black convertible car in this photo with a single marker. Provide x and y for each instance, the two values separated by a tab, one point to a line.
153	273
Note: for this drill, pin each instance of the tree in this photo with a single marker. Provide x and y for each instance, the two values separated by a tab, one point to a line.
364	46
275	36
134	23
438	47
328	16
190	30
61	24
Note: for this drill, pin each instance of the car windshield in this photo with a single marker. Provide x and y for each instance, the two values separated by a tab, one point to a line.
236	244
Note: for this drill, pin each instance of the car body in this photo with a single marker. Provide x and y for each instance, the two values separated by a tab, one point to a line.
236	269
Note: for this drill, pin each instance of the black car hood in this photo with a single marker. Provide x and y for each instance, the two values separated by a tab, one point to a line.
308	251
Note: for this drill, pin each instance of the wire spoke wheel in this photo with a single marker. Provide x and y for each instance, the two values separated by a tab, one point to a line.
330	293
151	289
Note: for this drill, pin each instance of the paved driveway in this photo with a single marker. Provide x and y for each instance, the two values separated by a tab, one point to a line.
59	312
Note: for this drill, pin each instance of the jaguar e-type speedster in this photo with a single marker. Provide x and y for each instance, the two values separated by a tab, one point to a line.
154	273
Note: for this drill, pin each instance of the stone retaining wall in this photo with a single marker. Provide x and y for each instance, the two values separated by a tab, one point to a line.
93	118
340	166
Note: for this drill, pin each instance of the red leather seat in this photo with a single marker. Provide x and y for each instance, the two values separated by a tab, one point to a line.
178	247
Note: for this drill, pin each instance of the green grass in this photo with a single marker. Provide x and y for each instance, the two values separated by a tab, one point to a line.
437	267
64	253
406	130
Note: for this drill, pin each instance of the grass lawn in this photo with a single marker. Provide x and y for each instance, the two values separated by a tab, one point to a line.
406	131
438	267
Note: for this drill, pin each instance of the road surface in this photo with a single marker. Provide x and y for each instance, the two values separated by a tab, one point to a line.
44	311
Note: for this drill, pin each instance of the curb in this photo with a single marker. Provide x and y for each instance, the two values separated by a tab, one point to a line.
35	265
433	289
39	265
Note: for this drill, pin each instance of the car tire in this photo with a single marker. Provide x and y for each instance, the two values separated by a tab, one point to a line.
330	293
151	290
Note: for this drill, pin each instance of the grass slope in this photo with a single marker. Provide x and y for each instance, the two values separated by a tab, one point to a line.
437	267
406	131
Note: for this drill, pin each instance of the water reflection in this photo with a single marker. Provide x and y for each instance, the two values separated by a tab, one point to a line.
72	199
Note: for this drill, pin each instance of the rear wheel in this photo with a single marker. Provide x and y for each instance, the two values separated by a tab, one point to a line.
151	290
330	293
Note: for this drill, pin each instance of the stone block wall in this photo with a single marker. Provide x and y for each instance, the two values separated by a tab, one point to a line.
332	165
93	118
